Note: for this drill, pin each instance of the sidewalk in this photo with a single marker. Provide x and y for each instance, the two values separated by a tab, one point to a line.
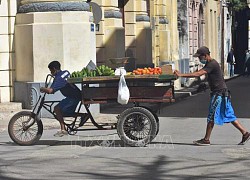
6	114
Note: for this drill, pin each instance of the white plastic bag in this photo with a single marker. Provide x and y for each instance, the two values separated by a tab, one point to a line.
123	91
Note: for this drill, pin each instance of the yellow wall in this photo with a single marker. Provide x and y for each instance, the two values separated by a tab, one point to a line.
110	39
172	16
211	27
42	37
7	50
147	41
165	36
137	32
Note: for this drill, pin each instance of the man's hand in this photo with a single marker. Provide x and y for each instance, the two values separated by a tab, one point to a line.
177	73
42	89
46	90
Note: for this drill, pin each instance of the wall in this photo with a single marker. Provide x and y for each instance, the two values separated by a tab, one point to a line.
7	50
113	39
183	26
42	37
137	32
110	38
212	27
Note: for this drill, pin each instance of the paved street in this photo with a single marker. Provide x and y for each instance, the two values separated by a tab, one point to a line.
101	155
170	156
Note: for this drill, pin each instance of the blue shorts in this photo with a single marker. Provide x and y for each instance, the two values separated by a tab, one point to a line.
68	106
221	110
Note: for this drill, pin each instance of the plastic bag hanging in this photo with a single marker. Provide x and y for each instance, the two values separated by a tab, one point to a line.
123	91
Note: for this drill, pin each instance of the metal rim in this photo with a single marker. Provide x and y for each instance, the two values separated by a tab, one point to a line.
137	126
19	129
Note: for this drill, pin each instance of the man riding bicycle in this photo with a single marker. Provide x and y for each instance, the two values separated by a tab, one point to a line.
72	94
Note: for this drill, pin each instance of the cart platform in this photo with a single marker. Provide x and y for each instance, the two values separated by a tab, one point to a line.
143	88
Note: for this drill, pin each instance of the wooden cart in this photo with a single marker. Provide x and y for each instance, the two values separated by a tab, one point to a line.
136	126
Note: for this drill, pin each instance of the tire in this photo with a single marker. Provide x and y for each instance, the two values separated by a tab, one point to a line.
156	118
158	127
137	126
21	136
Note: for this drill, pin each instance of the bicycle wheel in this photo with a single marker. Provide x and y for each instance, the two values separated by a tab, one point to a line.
24	129
137	126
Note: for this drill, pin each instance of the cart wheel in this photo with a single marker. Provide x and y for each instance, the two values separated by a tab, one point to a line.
158	125
156	118
19	131
137	126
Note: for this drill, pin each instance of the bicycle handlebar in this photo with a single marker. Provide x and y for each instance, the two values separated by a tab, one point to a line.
46	81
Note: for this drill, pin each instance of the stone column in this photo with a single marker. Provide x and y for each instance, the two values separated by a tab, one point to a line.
137	31
110	37
47	31
154	22
7	51
164	34
171	15
130	28
143	34
60	31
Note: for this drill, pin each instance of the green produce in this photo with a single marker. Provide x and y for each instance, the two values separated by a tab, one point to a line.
99	71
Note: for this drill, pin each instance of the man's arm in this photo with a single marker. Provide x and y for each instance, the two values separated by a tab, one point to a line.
190	75
46	90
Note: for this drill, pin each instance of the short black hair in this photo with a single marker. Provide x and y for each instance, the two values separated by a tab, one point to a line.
54	64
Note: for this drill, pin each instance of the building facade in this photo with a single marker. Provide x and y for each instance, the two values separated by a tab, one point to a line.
147	31
203	23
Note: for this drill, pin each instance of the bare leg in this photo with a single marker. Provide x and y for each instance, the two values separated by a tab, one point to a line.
59	117
209	129
237	124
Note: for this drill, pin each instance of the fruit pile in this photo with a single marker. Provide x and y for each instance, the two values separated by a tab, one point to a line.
99	71
141	71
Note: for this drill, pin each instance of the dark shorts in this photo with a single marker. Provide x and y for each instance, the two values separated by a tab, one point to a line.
220	110
68	106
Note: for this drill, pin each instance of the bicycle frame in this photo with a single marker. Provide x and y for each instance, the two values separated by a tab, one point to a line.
39	105
48	106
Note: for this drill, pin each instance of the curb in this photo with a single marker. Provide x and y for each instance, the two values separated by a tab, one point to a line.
234	77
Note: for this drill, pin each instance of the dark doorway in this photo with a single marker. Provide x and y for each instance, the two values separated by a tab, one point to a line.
240	38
